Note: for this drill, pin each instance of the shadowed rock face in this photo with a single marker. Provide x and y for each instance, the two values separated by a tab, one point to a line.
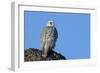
33	54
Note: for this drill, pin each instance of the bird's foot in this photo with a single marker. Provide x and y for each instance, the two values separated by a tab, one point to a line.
44	56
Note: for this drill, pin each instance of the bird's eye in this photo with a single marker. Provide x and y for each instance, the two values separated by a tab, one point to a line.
50	22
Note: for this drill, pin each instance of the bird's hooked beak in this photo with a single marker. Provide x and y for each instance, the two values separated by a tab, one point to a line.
50	23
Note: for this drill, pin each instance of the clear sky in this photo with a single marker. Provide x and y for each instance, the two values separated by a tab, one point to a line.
73	32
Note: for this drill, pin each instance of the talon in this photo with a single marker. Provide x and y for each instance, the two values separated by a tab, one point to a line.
44	56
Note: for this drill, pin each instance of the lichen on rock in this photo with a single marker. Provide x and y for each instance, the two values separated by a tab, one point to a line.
33	54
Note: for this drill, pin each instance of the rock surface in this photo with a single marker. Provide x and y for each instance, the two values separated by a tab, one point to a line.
33	54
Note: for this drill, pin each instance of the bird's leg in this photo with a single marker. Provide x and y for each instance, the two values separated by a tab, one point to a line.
44	56
42	48
44	53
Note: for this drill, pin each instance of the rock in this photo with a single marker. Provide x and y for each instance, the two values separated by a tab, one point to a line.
33	54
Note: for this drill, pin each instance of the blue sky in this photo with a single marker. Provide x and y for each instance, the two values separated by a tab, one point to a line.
73	32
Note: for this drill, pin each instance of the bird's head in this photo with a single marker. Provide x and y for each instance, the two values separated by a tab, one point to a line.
50	24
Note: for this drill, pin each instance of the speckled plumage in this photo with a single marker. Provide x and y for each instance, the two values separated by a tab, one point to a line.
49	36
